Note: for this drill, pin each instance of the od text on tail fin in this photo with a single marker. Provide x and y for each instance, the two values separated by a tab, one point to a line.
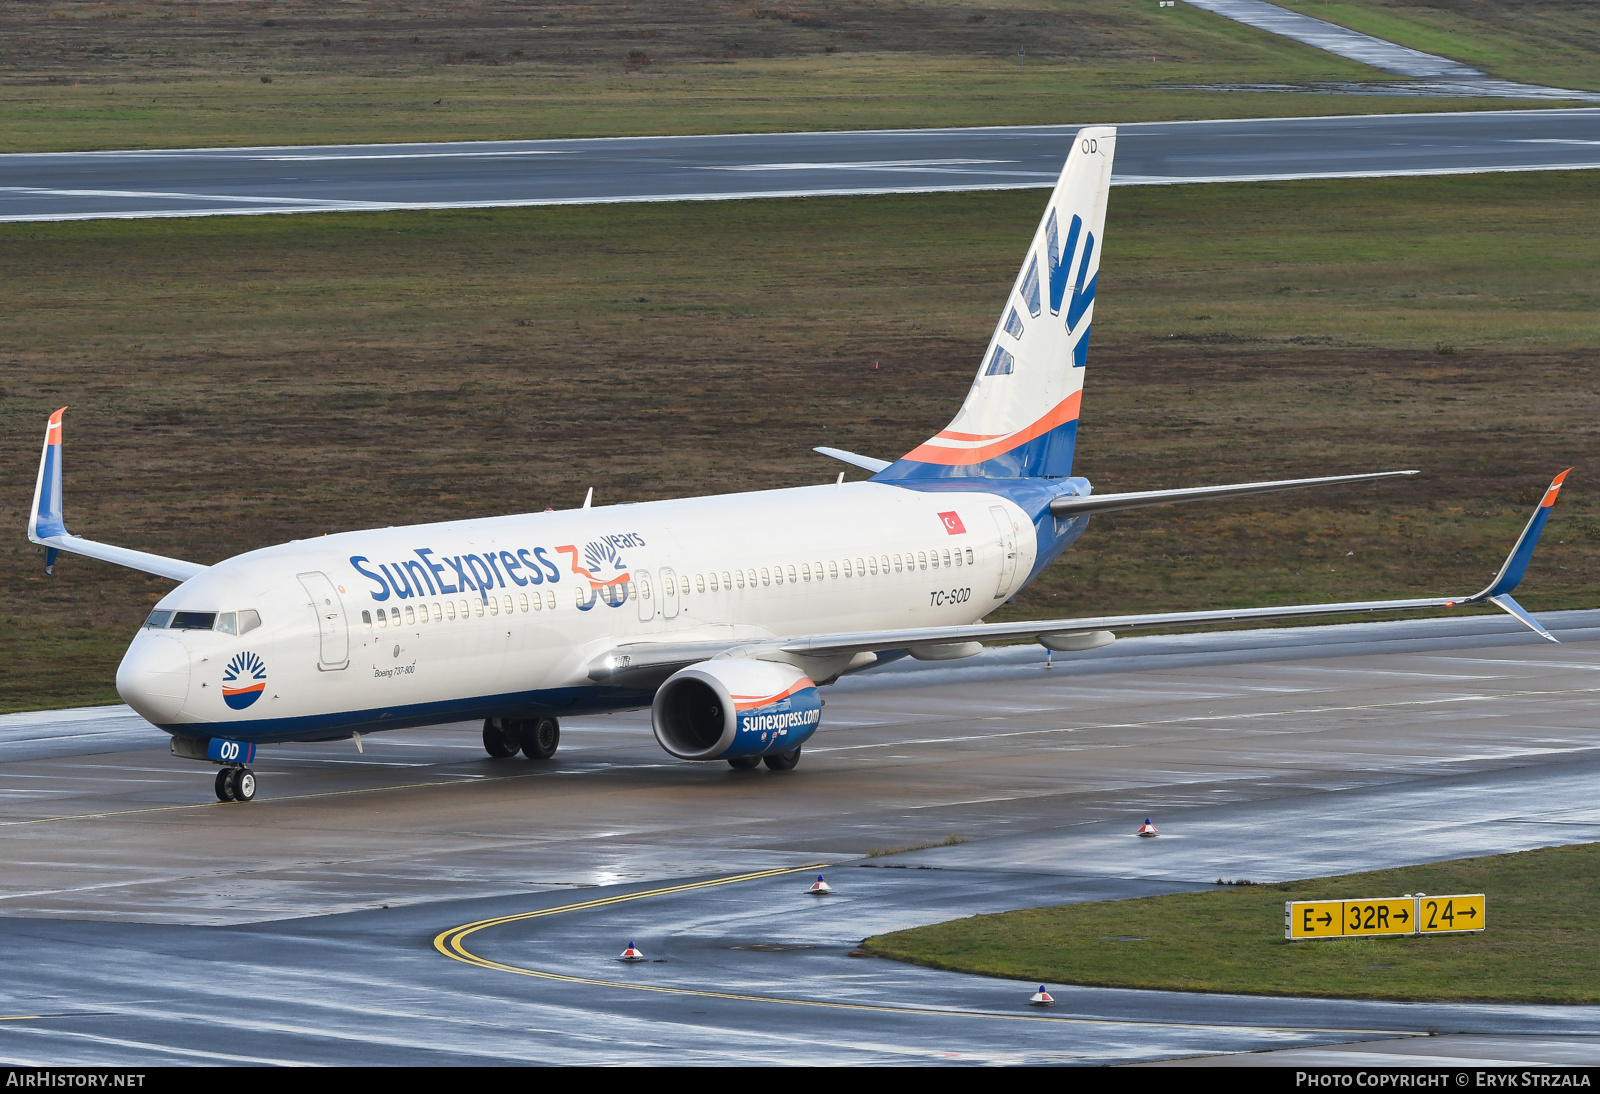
1020	419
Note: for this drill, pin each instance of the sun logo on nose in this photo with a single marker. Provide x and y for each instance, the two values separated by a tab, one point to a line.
243	680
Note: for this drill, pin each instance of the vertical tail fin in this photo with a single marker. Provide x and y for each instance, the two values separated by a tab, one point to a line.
1020	419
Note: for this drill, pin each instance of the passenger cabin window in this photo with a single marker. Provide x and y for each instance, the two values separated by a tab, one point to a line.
465	610
383	618
752	575
883	561
969	556
523	602
228	623
934	560
411	616
766	577
922	561
958	556
193	621
740	575
683	584
833	568
394	616
551	597
159	619
792	578
494	605
727	581
700	582
506	603
477	608
366	621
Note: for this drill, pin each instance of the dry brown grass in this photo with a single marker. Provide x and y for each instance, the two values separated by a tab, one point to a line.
163	73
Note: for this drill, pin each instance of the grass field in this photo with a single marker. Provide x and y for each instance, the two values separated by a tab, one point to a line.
1551	42
1542	944
156	73
242	381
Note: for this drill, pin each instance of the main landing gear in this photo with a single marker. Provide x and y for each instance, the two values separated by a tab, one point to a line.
535	738
236	783
775	761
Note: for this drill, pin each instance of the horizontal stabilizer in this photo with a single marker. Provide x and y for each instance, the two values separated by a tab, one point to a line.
866	463
1143	499
47	528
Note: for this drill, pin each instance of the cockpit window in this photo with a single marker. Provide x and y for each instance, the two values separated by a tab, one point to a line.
227	623
249	621
193	621
159	619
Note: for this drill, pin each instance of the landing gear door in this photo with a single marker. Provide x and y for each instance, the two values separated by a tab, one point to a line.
331	628
1008	550
669	593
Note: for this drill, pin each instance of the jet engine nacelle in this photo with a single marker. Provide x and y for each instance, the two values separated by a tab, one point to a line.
726	709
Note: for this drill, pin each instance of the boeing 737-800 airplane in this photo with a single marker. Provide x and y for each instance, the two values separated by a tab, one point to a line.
724	632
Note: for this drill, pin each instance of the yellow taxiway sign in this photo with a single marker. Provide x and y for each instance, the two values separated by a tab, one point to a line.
1419	914
1450	914
1349	918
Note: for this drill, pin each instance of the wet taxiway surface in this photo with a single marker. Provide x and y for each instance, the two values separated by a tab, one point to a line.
147	924
222	181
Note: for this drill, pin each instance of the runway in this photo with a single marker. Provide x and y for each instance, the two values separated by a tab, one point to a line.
234	181
422	904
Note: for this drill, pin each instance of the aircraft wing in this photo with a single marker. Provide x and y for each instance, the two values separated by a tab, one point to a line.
1497	592
648	663
46	527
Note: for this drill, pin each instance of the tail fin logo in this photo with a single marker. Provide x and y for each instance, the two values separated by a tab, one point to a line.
1060	262
243	680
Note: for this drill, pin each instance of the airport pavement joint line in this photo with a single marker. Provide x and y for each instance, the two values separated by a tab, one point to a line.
450	943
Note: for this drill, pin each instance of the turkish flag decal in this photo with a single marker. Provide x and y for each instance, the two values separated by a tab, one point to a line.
952	524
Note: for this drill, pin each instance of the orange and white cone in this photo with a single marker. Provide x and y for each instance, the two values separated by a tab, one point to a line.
1042	998
1148	829
820	887
631	954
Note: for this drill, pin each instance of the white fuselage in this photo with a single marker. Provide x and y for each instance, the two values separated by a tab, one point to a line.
391	627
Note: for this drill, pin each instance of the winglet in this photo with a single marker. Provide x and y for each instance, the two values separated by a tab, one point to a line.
44	519
47	528
1499	590
1516	563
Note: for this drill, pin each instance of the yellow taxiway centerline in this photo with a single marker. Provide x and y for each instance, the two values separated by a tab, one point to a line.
451	944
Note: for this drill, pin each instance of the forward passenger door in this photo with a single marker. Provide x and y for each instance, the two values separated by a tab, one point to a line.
332	632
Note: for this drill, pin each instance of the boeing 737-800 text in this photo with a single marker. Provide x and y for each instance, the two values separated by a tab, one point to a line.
725	635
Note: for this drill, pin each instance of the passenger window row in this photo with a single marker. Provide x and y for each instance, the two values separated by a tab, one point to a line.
447	610
225	622
832	570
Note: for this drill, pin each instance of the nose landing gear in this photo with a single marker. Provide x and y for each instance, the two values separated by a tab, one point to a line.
236	783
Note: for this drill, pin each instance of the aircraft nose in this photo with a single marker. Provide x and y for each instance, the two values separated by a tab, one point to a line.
153	678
